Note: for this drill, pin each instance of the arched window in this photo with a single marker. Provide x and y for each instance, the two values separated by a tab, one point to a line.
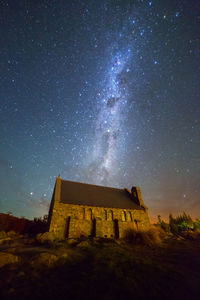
105	214
136	223
83	213
110	215
89	214
130	216
123	216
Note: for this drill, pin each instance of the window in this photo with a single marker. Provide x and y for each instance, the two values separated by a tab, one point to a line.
110	215
136	223
123	216
105	214
83	213
130	217
89	214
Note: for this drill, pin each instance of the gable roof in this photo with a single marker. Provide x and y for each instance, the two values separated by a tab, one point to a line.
93	195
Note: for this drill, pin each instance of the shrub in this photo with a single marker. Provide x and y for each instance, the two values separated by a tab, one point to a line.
150	237
3	235
8	222
165	226
196	225
191	235
172	225
184	218
46	237
180	223
184	226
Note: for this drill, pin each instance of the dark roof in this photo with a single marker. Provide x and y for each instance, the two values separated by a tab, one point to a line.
93	195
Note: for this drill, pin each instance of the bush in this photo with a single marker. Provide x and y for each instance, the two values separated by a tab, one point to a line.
180	223
12	233
150	237
191	235
165	226
3	235
196	225
8	222
46	237
184	226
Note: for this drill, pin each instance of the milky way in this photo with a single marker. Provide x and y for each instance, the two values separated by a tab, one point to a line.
102	92
109	121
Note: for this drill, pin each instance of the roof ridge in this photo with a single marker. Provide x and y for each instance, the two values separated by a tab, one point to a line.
103	186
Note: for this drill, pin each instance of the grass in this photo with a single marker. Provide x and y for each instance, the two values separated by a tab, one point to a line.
154	236
105	269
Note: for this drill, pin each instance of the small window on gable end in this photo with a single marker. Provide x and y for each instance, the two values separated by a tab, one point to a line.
105	213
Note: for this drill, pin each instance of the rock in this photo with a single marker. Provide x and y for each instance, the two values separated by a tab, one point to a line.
21	274
11	250
46	237
120	242
3	235
29	241
7	258
64	255
84	244
72	241
5	240
44	258
12	233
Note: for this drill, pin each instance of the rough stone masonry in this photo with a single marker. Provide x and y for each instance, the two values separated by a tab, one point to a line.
79	209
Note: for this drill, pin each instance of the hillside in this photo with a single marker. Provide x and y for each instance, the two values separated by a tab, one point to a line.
99	269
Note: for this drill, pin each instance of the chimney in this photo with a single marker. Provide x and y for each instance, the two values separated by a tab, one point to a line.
137	196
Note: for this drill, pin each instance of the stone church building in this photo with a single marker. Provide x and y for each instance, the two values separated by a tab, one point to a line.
79	209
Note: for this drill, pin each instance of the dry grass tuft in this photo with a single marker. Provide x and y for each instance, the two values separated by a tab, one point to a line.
153	236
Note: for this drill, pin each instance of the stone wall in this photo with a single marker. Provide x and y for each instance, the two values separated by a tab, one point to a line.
73	221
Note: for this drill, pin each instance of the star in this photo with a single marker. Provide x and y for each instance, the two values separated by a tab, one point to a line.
103	94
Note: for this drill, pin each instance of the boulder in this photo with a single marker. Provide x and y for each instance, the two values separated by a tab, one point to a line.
72	241
7	258
12	233
3	235
63	257
46	237
84	244
5	240
29	241
44	258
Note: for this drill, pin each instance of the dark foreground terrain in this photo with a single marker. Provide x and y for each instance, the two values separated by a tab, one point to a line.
99	269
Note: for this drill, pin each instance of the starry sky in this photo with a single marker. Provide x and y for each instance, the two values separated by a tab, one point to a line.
101	92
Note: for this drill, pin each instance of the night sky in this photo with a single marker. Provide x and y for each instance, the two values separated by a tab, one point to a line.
101	92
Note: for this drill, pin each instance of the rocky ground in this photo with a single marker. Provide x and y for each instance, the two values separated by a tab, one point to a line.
33	268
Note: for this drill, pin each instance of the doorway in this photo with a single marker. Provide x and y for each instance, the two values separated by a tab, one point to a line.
67	227
93	232
116	228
